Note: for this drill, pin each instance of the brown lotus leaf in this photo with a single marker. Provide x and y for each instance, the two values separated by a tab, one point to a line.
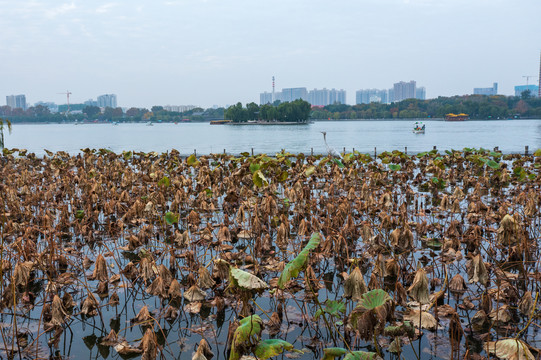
171	313
193	307
143	315
511	349
457	284
421	319
125	349
90	306
111	339
103	289
21	274
114	299
418	290
479	320
148	268
274	324
57	312
477	271
194	293
87	263
444	310
501	314
67	303
158	288
205	280
220	269
282	236
526	304
224	235
174	291
354	286
392	268
204	348
219	302
130	271
193	218
165	274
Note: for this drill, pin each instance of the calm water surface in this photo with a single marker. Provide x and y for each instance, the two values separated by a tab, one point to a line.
509	135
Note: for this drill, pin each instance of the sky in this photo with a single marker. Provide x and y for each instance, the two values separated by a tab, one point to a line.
220	52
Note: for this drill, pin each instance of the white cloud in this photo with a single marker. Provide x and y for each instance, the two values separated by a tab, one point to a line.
60	10
105	8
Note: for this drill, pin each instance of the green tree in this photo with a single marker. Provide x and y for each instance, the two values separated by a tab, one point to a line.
91	111
7	123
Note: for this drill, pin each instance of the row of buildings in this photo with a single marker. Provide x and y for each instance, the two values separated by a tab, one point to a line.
19	102
519	89
320	97
323	97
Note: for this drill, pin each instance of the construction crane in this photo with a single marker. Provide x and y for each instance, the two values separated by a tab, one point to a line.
67	93
528	78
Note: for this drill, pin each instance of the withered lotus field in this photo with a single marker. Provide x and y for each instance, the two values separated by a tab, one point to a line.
152	255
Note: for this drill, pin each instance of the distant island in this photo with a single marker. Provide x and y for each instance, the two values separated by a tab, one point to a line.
478	107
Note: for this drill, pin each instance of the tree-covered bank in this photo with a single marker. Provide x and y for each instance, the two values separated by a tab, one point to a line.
476	106
295	111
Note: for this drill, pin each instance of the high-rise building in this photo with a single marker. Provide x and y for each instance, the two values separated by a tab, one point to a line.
107	100
91	102
16	101
487	91
534	90
179	108
265	98
420	93
292	94
326	97
404	90
367	96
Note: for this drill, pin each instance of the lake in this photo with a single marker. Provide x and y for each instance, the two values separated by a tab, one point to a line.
509	135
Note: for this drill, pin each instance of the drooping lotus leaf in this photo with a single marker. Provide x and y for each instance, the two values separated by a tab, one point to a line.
259	179
247	334
512	349
332	308
295	266
354	286
171	218
247	281
332	353
373	299
271	347
419	289
422	319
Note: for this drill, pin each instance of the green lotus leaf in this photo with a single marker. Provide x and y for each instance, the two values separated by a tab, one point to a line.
246	281
271	347
171	218
259	179
373	299
293	268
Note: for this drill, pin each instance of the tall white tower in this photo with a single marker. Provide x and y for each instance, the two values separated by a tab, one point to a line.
273	96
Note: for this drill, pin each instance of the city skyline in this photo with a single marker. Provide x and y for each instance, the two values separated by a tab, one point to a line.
159	52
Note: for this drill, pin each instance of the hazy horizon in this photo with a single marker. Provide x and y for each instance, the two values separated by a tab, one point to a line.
210	52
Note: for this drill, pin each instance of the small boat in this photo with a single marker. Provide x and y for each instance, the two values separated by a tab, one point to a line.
418	128
456	117
220	122
115	122
150	123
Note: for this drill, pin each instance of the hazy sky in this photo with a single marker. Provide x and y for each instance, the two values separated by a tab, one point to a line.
206	52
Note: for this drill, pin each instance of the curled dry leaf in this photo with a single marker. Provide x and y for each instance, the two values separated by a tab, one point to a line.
422	319
511	349
477	271
419	289
194	293
354	286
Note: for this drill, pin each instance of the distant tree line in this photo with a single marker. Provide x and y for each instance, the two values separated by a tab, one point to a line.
295	111
80	112
476	106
